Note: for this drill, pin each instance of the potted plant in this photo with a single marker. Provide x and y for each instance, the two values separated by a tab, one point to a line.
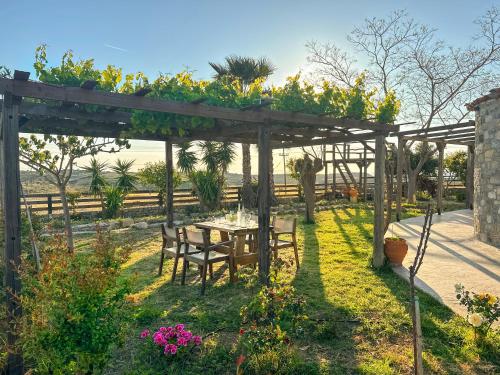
395	249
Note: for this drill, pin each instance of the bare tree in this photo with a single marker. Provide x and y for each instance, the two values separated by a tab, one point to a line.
432	79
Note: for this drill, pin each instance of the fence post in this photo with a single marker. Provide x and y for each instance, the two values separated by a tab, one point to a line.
49	204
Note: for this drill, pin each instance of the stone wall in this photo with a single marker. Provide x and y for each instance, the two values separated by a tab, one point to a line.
487	172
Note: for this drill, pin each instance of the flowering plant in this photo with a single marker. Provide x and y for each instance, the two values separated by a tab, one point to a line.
171	340
483	308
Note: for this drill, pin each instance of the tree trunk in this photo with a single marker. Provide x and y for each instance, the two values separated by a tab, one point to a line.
412	185
67	218
308	170
247	192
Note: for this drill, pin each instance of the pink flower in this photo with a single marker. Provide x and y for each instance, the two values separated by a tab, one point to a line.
173	349
163	329
187	335
159	339
179	327
144	333
197	340
181	341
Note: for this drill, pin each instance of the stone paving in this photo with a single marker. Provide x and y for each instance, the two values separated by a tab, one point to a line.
453	256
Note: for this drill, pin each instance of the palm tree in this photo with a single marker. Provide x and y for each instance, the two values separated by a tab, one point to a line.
186	159
246	70
126	180
97	181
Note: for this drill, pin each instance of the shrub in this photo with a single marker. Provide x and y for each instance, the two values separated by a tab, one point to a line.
460	196
269	321
483	309
73	308
114	199
423	196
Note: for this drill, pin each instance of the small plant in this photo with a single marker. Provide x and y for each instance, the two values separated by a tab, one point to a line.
274	315
114	198
483	309
171	340
423	196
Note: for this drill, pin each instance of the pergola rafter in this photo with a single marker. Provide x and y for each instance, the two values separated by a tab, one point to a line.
253	124
461	134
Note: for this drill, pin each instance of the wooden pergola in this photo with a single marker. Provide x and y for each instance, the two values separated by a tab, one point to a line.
58	110
462	134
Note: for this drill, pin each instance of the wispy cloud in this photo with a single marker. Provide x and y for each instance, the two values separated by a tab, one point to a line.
115	47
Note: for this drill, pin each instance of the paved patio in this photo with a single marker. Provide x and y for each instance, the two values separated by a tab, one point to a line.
453	256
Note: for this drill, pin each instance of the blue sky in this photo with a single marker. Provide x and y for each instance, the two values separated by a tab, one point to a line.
167	36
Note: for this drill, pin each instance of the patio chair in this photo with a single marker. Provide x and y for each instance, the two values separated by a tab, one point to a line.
171	247
284	227
208	255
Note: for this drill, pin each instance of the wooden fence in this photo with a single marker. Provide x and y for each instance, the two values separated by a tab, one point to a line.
50	204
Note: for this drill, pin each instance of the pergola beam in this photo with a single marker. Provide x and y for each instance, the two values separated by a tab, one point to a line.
78	95
425	131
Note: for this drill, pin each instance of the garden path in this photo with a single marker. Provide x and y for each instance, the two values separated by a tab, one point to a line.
453	256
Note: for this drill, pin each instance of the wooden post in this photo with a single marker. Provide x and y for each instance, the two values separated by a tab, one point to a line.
440	147
169	199
49	205
399	176
419	366
325	165
264	197
469	182
378	200
12	226
334	172
365	176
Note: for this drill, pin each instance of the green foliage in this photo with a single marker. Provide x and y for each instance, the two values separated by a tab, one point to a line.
73	309
423	196
486	305
208	184
208	187
388	109
186	158
126	180
114	199
155	174
430	166
456	164
238	84
74	73
96	172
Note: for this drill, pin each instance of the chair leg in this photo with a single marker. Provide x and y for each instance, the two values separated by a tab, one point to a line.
185	265
174	271
203	279
160	269
232	276
296	251
211	270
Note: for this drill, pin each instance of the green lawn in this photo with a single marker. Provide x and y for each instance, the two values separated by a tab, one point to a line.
368	330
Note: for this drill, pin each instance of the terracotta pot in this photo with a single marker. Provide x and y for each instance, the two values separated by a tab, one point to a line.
395	249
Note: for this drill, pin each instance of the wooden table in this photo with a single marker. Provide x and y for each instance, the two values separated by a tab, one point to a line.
238	256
